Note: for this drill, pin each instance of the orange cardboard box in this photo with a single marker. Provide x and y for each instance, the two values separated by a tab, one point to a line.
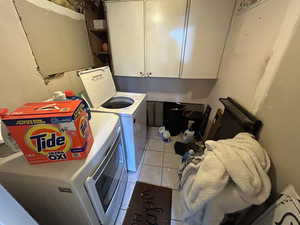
51	131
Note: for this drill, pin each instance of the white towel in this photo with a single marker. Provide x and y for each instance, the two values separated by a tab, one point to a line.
1	138
231	177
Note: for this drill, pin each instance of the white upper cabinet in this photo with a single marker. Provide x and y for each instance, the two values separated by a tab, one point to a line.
207	28
164	34
126	31
168	38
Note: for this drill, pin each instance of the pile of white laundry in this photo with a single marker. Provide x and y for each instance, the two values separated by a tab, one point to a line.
232	176
1	138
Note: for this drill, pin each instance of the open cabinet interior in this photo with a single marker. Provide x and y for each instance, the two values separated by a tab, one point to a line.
98	33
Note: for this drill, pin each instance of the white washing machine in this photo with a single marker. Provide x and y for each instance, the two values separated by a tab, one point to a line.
131	107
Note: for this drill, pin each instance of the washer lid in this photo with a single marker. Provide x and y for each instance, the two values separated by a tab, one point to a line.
98	84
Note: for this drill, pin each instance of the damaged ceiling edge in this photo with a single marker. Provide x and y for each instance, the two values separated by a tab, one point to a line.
26	36
49	77
286	34
51	6
246	5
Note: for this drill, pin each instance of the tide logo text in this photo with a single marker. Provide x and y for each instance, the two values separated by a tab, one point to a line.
43	143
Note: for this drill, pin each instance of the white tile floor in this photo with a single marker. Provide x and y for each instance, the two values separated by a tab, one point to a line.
153	158
151	175
159	167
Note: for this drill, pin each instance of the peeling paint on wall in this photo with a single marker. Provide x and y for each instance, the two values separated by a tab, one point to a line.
249	4
58	39
247	54
287	30
20	80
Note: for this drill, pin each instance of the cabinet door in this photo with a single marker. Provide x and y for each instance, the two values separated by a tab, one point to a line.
208	25
126	31
164	29
57	36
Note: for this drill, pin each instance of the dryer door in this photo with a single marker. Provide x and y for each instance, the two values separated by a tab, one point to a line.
98	84
106	187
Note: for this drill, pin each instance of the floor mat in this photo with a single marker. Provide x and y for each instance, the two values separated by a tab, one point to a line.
149	205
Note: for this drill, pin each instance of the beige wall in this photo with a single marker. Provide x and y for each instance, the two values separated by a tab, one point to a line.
248	51
281	116
20	81
263	76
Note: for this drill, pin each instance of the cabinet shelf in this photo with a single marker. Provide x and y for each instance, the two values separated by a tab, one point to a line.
102	53
99	32
104	57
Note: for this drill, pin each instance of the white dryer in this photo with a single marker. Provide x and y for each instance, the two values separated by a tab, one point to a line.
131	107
77	192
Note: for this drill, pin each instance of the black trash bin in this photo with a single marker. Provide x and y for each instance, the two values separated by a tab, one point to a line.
174	120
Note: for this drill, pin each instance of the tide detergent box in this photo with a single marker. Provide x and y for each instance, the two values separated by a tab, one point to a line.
50	131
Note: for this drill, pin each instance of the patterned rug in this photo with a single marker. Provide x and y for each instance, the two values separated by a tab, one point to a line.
149	205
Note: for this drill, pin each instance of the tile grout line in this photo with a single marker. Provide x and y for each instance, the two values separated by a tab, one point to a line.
177	220
142	164
152	150
162	171
161	177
